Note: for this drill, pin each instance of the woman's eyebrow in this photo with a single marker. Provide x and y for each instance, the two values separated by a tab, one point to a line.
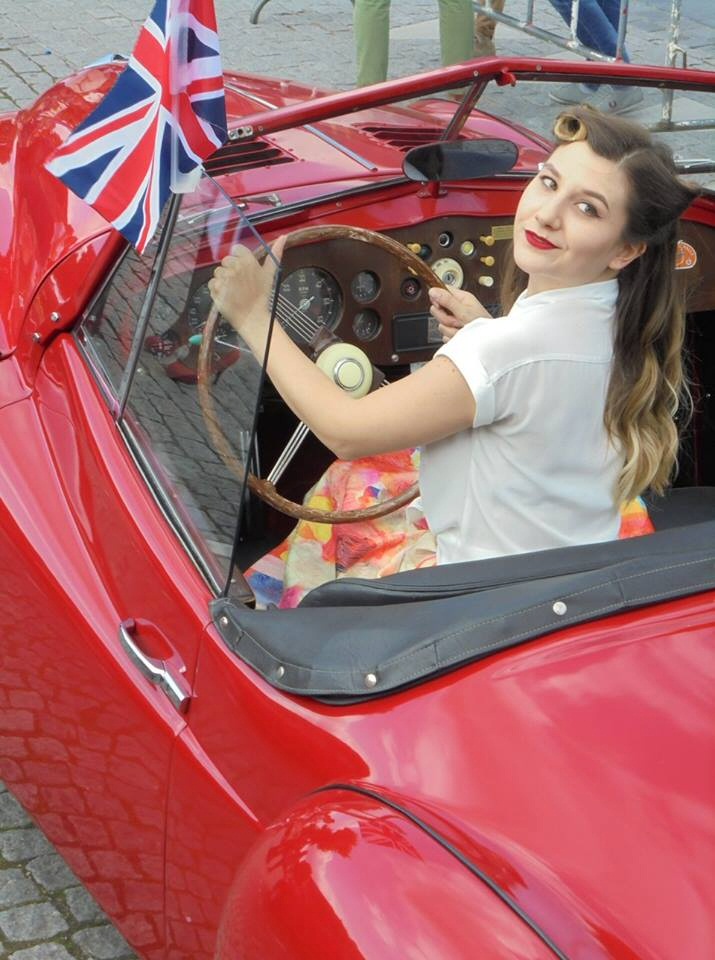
597	196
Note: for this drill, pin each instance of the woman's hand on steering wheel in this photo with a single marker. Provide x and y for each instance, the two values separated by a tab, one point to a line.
241	289
453	308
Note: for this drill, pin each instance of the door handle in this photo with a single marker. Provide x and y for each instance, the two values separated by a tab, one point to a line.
155	670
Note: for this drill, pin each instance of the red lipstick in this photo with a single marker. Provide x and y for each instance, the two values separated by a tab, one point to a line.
541	243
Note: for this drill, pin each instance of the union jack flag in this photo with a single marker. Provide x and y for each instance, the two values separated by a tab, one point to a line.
164	115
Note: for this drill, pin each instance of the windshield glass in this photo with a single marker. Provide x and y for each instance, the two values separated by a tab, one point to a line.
683	119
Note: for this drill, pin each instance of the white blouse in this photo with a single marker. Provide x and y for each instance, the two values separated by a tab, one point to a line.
537	470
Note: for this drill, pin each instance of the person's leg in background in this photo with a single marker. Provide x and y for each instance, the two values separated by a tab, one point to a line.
597	29
371	24
456	25
484	31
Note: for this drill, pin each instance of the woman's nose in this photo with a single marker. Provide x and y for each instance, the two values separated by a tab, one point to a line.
549	213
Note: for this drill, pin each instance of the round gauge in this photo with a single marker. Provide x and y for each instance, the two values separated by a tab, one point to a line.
410	288
365	286
198	307
366	325
313	292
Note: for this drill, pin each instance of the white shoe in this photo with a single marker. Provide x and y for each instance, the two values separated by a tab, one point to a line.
607	98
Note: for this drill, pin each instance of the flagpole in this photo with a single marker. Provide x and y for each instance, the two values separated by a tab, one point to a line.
148	304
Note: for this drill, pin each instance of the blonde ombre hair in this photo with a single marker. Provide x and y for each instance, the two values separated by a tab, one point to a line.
647	385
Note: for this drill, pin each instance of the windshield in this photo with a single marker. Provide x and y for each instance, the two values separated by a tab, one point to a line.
683	119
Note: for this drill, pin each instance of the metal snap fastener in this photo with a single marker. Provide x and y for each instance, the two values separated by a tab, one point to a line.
223	621
370	679
559	608
280	672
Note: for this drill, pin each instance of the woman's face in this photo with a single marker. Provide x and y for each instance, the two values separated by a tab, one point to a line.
570	220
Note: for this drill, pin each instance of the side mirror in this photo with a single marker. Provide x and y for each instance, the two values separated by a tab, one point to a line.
459	160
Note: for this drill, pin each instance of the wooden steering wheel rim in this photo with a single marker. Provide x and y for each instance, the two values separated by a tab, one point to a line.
265	490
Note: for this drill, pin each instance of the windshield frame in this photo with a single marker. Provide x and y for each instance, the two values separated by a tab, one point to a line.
474	76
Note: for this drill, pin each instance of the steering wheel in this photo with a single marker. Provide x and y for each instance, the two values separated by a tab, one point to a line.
264	488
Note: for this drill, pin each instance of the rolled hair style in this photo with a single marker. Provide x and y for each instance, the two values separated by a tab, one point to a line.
647	384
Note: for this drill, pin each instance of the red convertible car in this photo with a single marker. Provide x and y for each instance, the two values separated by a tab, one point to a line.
512	758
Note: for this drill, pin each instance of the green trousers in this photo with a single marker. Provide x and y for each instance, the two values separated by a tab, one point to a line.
371	21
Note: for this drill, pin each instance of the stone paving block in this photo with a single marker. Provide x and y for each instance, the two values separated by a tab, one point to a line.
82	905
35	921
16	888
19	845
51	872
11	813
43	951
102	943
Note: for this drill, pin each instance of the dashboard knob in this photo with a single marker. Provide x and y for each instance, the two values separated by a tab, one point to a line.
488	241
486	281
414	247
487	261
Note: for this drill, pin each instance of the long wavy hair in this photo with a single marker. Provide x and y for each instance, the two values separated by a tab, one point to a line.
647	386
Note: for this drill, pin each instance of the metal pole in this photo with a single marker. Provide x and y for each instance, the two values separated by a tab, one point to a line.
145	312
574	21
622	24
672	51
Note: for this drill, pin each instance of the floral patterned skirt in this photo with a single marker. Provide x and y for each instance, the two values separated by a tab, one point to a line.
317	552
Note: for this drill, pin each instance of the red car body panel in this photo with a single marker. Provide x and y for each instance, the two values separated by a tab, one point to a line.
484	758
342	875
84	548
537	766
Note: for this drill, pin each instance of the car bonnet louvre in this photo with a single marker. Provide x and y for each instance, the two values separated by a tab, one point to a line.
245	155
403	136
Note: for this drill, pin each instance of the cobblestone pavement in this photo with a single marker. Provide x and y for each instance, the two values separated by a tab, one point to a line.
40	40
44	913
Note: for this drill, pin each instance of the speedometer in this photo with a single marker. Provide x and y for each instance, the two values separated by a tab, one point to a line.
308	298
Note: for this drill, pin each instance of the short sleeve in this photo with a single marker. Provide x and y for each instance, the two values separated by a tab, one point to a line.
464	352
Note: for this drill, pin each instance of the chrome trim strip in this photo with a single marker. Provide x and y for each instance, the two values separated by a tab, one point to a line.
155	277
165	506
96	369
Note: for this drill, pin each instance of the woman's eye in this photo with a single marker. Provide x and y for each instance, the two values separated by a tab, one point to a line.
587	208
548	181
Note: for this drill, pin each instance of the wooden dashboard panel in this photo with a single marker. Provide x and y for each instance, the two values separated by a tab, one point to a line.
401	303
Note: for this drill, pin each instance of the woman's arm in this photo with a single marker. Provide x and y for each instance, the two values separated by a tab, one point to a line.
426	406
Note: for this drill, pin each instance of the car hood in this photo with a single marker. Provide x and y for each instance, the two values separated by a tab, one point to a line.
579	774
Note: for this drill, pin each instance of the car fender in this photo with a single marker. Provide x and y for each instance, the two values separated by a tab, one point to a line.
345	875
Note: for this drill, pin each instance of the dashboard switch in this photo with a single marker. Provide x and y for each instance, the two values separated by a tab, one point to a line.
486	281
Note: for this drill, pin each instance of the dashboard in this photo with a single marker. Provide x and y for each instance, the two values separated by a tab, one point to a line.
367	297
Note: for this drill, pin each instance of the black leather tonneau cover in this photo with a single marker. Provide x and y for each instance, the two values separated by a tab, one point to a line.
461	612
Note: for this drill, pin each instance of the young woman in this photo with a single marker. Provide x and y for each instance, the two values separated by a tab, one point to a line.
536	426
